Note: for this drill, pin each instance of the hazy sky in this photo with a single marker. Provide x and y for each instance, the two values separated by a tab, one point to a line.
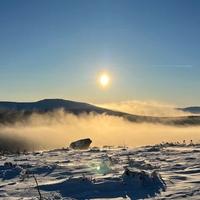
56	49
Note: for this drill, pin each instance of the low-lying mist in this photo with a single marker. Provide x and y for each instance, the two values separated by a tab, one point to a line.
58	129
146	108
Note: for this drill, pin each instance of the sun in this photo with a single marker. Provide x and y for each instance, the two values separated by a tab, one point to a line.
104	80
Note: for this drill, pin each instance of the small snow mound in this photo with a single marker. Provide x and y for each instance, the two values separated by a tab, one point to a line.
142	178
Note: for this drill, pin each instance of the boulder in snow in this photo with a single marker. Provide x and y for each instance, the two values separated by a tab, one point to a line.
81	144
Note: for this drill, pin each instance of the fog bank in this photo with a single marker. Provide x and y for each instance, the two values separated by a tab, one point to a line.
58	129
146	108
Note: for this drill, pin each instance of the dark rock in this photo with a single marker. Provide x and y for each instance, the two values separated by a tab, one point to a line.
81	144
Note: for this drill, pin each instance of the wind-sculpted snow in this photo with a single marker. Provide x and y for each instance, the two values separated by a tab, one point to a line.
165	171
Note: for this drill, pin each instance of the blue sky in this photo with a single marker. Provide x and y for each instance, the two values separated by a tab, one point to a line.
55	48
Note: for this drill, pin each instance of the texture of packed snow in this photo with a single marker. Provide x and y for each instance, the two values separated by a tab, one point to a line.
153	172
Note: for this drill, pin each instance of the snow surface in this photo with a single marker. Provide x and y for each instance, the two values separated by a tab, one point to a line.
152	172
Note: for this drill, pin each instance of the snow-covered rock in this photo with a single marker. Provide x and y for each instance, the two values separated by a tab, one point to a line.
143	178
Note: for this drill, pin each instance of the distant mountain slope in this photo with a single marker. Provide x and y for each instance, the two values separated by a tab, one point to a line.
193	110
49	105
10	112
46	105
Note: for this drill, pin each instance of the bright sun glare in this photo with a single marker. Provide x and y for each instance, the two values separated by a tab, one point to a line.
104	79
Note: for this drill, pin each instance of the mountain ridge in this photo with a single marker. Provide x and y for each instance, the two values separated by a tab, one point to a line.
10	112
191	109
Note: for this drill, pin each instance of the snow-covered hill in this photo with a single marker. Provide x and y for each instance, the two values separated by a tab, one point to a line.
103	173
